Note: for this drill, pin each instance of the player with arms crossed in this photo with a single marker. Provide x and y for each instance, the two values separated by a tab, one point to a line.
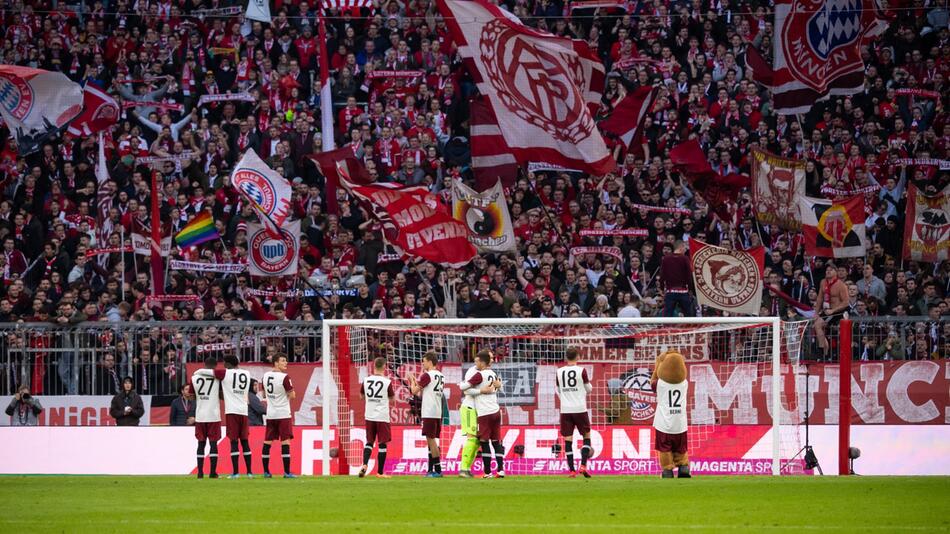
572	388
236	383
376	390
431	383
484	386
279	391
207	415
469	427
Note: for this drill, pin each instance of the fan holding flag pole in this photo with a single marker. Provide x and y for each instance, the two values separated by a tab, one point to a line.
266	190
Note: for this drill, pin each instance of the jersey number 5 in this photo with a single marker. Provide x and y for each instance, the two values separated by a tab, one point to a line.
270	385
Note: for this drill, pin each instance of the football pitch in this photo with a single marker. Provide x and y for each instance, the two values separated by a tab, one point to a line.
515	504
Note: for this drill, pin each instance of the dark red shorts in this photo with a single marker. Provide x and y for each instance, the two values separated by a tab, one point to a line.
236	426
279	429
432	427
670	442
377	432
210	431
489	427
570	421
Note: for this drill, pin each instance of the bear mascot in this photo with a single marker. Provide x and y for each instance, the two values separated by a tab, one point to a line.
669	422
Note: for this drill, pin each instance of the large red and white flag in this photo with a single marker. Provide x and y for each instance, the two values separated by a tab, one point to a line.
777	184
627	118
927	226
103	195
99	112
267	191
36	104
330	164
726	279
816	50
423	227
833	229
542	88
492	158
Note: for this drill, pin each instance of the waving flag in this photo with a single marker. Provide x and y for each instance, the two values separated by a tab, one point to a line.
833	229
816	51
265	189
627	118
718	191
329	164
491	156
99	112
542	88
200	229
37	104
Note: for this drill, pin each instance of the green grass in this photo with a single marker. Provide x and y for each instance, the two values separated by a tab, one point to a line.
516	504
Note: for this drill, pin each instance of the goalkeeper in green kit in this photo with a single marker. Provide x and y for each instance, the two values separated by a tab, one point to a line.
469	429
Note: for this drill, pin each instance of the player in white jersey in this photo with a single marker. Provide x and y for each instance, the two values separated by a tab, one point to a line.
670	421
431	384
236	384
376	391
207	415
573	385
469	428
484	386
279	391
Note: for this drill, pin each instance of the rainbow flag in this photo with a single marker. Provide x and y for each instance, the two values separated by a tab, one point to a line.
198	230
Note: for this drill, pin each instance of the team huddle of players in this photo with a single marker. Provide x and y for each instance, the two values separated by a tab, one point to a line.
235	385
480	414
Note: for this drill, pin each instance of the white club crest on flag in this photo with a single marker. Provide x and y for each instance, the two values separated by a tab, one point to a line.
265	189
727	279
485	215
37	104
258	10
541	87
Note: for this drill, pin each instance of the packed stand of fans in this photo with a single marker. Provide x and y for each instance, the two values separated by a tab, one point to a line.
414	131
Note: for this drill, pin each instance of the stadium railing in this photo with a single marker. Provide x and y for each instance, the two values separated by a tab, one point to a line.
77	359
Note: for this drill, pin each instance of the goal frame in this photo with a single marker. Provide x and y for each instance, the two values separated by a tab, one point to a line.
775	323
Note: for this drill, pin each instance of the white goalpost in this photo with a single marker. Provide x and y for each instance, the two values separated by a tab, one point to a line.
742	400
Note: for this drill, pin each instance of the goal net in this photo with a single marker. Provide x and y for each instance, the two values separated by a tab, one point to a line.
741	372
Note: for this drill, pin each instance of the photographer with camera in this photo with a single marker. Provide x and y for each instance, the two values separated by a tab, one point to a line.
24	409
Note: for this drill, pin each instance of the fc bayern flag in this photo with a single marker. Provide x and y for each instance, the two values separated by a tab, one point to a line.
927	225
265	189
37	104
542	88
99	112
777	184
833	229
424	229
270	255
718	191
330	163
627	118
726	279
816	51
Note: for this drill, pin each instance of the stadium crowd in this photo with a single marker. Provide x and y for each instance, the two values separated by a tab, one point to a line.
415	131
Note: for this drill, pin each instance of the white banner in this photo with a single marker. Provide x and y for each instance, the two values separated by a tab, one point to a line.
143	245
485	215
258	10
227	268
270	256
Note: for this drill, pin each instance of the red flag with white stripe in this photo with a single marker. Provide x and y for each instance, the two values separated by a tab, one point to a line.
491	156
99	112
627	118
542	88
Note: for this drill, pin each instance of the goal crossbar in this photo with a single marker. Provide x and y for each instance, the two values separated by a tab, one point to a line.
772	322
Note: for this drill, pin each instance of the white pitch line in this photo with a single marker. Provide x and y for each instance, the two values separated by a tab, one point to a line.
532	526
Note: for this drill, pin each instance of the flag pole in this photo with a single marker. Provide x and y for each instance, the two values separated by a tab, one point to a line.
326	100
158	274
122	239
